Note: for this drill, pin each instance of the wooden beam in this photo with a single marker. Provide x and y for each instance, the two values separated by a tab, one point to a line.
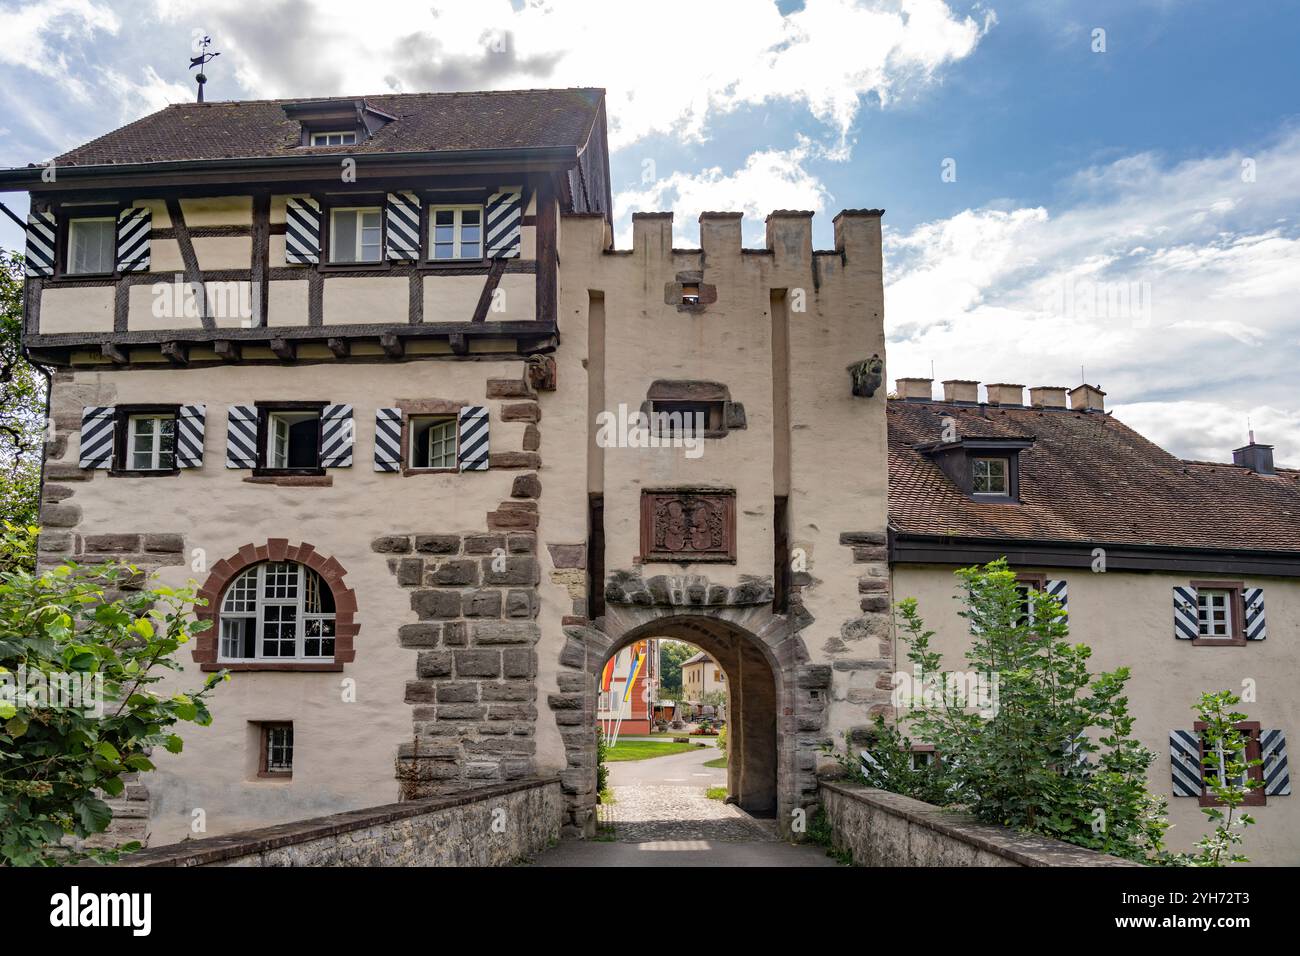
284	349
459	343
113	353
341	348
391	345
178	353
227	350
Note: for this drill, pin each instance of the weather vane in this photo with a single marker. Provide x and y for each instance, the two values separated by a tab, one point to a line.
203	57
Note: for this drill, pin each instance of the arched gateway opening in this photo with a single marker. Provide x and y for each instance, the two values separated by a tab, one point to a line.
776	702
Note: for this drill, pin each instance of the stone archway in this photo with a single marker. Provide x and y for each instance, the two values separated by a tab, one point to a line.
778	700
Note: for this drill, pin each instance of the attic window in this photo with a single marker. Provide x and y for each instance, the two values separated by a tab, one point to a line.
334	138
990	476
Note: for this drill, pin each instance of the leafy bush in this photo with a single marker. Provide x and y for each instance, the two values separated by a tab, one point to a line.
722	739
79	711
602	771
1230	783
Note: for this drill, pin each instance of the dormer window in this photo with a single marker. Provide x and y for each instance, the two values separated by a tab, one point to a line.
990	476
334	138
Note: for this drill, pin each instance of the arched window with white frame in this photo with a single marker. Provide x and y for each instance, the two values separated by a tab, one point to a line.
277	611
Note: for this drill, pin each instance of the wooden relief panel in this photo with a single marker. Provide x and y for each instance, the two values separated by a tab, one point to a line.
688	525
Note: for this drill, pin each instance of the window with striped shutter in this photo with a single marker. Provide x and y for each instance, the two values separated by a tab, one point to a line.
402	211
473	452
337	435
1186	621
1253	600
503	218
134	227
302	220
1185	762
97	426
39	254
189	436
241	436
1061	591
1272	750
388	439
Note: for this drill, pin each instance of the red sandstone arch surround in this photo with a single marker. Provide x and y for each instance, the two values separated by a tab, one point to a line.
277	549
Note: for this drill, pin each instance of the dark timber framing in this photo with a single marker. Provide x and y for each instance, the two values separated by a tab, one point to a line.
940	549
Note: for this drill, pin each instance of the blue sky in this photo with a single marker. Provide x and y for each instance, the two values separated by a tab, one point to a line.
1130	211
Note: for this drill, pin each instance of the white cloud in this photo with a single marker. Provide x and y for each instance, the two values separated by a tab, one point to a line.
38	36
669	68
1167	283
1209	431
770	179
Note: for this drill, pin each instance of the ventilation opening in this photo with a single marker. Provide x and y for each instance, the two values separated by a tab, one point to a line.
595	556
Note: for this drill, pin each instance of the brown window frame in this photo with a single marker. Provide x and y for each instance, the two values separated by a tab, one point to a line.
427	408
1238	592
264	411
1255	797
922	749
331	202
63	216
264	729
122	415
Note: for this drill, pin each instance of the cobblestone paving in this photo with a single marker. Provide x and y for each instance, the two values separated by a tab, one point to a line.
644	814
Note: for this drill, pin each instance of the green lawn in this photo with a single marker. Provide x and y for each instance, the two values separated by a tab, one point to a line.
717	764
644	749
716	793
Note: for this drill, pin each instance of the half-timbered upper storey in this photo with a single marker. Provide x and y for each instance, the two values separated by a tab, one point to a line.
400	224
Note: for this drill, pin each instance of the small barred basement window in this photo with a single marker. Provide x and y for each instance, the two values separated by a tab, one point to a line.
276	751
277	611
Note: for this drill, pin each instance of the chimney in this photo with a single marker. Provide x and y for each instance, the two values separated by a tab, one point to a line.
1258	458
914	389
961	390
1047	396
1087	398
1001	393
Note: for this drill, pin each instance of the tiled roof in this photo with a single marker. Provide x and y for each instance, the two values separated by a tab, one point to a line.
1087	478
424	122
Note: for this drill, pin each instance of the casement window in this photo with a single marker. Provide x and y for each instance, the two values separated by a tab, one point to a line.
1193	766
150	442
430	436
433	442
1213	763
922	756
455	232
356	234
334	138
1026	584
289	438
990	476
1222	613
276	758
690	293
292	440
92	245
277	611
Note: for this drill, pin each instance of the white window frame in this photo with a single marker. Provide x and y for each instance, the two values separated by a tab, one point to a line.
455	442
346	137
1202	620
257	617
457	227
1006	476
73	223
286	417
156	451
358	234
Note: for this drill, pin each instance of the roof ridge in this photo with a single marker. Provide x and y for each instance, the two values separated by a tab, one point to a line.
368	96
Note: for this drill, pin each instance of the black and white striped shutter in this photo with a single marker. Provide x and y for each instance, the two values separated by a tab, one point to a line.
301	231
472	453
39	257
1272	750
1256	629
504	216
337	434
241	436
189	436
96	436
403	215
388	439
1186	619
1061	591
1185	762
134	227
